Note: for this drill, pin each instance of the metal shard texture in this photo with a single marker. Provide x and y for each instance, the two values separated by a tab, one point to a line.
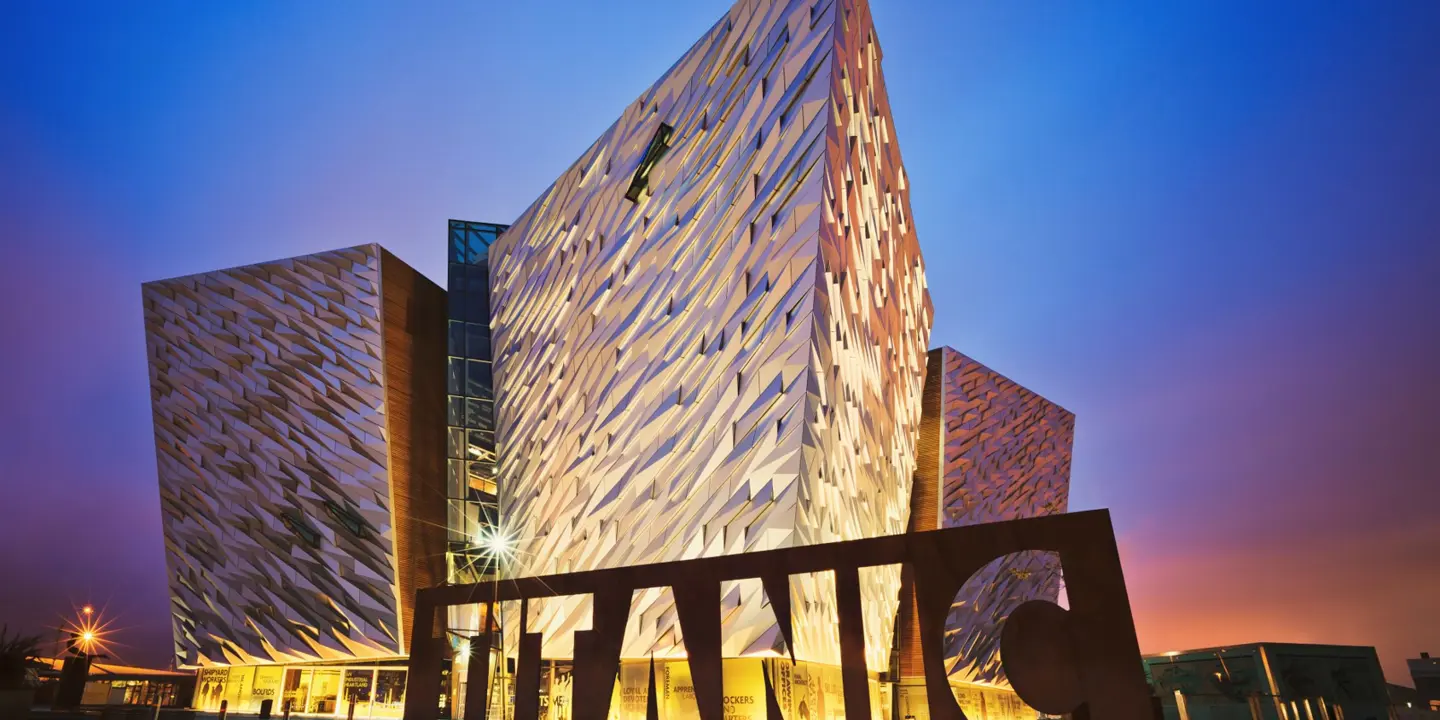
732	361
281	392
990	450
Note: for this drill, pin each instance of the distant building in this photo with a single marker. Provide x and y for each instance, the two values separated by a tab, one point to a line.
1270	681
1407	705
108	684
1425	671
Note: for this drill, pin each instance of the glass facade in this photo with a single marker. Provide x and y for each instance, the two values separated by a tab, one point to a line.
375	690
470	408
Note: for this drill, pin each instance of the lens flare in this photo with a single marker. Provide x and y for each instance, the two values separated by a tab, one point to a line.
88	632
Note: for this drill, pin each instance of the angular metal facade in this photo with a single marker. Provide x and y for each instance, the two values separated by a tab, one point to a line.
989	450
733	360
297	409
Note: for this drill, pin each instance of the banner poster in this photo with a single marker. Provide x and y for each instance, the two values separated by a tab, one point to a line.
555	700
1012	708
677	694
832	692
782	677
237	687
972	701
634	690
744	684
268	680
210	688
805	693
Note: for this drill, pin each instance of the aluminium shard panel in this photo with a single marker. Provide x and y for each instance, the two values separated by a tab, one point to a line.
278	391
989	450
733	360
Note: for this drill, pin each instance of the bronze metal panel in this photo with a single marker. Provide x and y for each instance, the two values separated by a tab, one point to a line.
427	654
853	670
597	654
527	677
1100	638
698	603
477	678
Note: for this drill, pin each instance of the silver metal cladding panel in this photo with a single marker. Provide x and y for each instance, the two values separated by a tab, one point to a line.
734	361
270	431
1006	455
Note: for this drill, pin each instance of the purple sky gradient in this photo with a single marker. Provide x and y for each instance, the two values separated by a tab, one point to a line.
1210	230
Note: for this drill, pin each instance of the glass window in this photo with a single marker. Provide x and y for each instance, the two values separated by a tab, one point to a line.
481	417
484	440
455	442
455	377
481	453
455	478
457	300
477	341
324	692
455	519
478	304
481	447
297	689
482	477
389	694
457	337
457	246
472	520
358	686
455	410
477	413
477	378
479	249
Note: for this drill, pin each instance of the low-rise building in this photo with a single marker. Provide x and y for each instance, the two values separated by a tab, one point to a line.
1270	681
1425	672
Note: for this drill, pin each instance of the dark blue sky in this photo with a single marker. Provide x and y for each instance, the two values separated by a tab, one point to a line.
1210	229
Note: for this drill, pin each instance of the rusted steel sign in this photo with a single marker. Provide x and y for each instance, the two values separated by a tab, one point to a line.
1084	661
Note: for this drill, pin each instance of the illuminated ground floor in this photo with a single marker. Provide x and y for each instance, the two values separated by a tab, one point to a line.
803	691
376	689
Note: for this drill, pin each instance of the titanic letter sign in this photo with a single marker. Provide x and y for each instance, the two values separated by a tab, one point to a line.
1084	660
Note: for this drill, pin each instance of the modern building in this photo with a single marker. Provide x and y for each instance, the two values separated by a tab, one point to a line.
710	331
113	684
1270	681
1406	704
708	336
299	428
1425	672
988	450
